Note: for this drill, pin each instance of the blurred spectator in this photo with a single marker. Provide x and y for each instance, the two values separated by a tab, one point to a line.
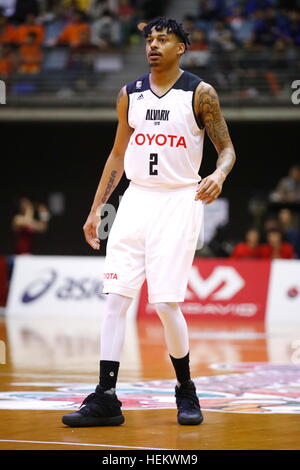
209	10
125	8
232	8
198	41
8	7
223	47
221	37
125	14
98	7
76	4
197	54
279	56
7	61
241	26
292	30
271	223
72	33
29	220
67	11
266	27
288	188
189	23
30	26
51	8
276	247
106	32
250	248
7	30
248	69
290	228
30	56
253	5
54	22
24	8
278	61
82	56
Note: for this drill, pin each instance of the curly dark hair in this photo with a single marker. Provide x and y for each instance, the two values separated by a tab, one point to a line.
172	26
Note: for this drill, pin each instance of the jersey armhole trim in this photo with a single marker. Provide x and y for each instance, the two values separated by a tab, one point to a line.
128	97
197	119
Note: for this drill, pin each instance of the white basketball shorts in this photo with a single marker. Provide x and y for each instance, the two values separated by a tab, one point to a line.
153	237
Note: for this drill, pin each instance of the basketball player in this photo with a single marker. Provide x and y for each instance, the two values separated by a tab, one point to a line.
162	118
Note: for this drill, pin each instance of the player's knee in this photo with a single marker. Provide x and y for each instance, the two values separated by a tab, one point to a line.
166	308
117	304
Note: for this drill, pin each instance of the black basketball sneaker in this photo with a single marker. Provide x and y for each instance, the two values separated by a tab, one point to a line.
101	408
188	405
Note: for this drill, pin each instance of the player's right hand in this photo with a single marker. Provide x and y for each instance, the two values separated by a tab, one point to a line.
90	231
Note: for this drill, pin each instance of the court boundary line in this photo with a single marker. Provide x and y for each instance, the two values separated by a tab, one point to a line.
83	444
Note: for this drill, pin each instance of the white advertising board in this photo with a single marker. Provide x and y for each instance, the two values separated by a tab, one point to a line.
58	285
283	303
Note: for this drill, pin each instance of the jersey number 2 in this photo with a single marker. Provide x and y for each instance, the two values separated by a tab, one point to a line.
152	162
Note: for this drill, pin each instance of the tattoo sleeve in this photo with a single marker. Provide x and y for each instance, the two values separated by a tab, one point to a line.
109	187
216	127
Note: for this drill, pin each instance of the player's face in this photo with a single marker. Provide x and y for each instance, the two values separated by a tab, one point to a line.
163	48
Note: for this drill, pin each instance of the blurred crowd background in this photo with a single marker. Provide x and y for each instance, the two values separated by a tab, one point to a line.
273	230
51	48
62	47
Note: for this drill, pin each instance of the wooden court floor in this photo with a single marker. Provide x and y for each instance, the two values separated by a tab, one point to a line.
247	377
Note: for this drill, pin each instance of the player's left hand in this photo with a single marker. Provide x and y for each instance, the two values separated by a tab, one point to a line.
210	188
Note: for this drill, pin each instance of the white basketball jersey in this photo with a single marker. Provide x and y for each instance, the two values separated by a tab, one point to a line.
165	149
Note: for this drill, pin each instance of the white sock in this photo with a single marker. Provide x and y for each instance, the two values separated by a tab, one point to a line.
113	327
175	328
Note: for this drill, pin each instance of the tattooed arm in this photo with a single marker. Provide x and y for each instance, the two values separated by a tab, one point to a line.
207	107
112	172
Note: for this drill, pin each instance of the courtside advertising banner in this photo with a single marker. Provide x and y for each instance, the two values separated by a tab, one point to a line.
284	293
222	288
67	285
